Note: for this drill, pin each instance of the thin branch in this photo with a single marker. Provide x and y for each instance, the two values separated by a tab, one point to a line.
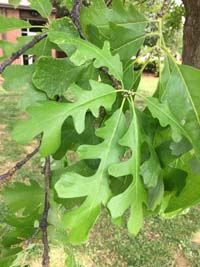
30	239
21	51
75	16
44	222
17	166
108	3
114	81
163	9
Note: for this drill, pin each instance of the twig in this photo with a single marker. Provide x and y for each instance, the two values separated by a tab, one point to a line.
29	240
21	51
75	16
163	9
108	3
44	222
114	81
17	166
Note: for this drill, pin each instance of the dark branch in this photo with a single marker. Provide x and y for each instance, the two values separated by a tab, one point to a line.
21	51
75	16
108	3
163	9
44	222
114	81
17	166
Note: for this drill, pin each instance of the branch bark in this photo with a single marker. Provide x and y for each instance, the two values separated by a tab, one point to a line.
21	51
163	9
191	37
75	16
17	166
44	222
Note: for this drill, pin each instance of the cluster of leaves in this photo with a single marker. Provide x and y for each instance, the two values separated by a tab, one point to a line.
107	151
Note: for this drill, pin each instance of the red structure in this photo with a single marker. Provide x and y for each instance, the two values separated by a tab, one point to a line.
22	12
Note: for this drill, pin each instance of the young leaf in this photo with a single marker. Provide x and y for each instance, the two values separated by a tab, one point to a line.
96	187
135	195
44	7
87	51
8	24
48	117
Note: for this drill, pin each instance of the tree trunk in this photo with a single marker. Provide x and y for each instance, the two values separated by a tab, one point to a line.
191	38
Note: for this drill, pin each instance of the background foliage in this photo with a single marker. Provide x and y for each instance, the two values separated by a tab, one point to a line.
106	150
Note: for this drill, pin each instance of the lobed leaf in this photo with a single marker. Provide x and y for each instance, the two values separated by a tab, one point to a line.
48	117
122	25
19	78
135	195
179	106
96	187
87	51
54	76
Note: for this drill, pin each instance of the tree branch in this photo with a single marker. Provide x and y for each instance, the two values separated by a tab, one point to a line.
17	166
75	16
44	222
163	9
21	51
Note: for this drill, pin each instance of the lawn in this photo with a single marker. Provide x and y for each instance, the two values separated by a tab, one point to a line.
161	243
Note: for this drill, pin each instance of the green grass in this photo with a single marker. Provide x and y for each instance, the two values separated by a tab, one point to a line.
161	243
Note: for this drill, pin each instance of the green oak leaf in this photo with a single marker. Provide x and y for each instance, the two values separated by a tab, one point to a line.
70	139
44	7
48	117
54	76
165	75
96	187
179	106
101	16
151	169
121	20
22	196
190	194
155	195
9	256
126	46
66	26
135	195
8	24
87	51
19	78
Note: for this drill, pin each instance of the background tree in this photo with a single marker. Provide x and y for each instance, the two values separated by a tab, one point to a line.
191	39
